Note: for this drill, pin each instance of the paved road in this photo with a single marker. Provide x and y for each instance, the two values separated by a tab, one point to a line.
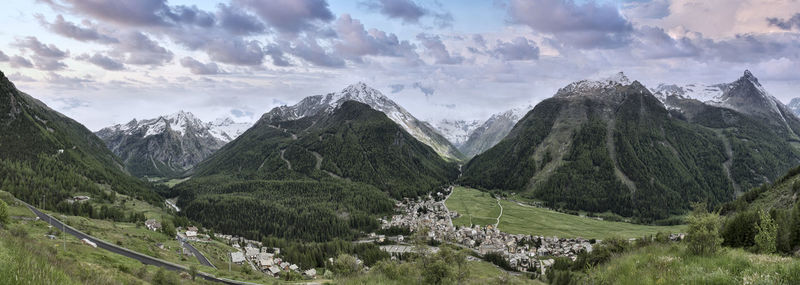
124	251
200	257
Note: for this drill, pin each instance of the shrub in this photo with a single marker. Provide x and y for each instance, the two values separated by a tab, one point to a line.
3	213
345	265
703	234
767	233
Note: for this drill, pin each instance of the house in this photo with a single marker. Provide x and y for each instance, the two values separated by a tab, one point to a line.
237	257
293	267
152	225
89	243
251	252
191	231
311	273
265	260
274	270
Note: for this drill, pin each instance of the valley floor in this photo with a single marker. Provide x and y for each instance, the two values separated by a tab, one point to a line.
479	208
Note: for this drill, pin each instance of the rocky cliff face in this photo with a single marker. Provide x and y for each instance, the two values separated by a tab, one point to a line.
168	145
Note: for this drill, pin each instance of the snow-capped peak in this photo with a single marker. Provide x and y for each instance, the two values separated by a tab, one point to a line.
226	130
588	86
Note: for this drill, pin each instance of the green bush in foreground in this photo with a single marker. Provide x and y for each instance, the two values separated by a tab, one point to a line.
703	233
767	233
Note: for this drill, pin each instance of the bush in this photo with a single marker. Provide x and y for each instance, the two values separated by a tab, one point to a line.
703	234
740	230
345	265
3	213
767	233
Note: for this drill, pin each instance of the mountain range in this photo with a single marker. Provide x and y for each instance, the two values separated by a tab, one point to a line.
614	145
353	155
169	145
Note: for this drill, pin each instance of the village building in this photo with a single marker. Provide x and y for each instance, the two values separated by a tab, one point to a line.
237	257
152	224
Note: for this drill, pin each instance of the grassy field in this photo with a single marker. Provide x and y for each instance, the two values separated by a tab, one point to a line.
479	208
480	272
671	264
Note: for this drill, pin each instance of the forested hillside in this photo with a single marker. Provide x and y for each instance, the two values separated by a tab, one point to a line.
314	178
46	154
612	146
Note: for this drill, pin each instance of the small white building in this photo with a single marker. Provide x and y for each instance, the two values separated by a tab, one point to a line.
311	273
152	225
191	234
237	257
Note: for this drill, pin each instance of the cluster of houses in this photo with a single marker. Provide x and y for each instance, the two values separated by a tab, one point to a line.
525	253
266	260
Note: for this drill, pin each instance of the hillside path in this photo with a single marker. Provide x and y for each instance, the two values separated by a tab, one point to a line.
501	213
288	163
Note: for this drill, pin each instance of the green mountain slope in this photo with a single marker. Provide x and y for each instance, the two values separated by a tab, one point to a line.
314	178
612	146
44	153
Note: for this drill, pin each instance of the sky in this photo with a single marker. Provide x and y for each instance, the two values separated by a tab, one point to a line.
105	62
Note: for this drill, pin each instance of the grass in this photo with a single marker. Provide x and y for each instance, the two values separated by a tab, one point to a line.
671	264
480	272
479	208
27	256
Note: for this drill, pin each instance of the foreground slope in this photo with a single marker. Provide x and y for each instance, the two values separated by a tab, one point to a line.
611	145
313	178
44	153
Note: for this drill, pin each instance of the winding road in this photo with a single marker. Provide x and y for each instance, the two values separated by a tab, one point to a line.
145	259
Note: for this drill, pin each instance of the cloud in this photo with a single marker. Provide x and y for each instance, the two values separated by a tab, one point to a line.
18	61
40	49
397	88
102	61
520	48
140	12
356	42
139	49
654	42
438	50
425	89
16	76
309	50
47	63
290	16
241	113
793	22
236	51
588	26
236	21
3	56
197	67
71	30
407	11
277	56
68	81
648	9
